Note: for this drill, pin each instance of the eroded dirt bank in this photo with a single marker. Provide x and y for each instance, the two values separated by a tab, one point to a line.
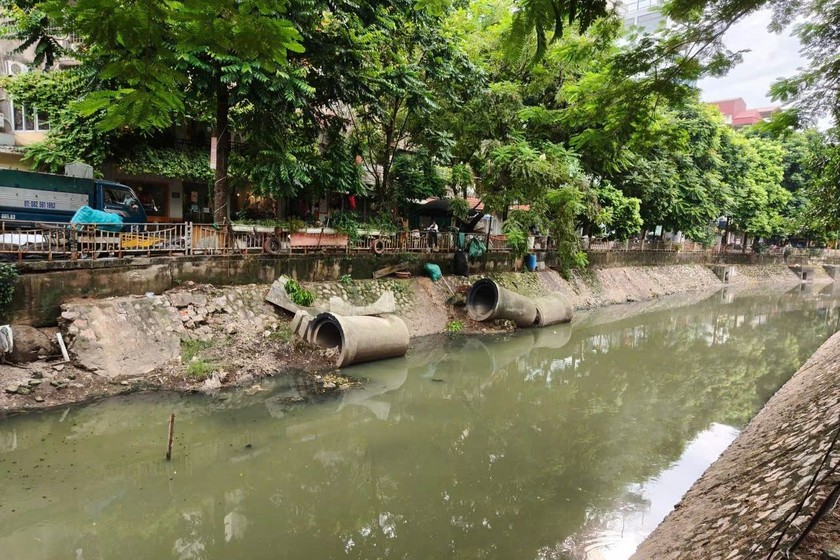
201	337
762	494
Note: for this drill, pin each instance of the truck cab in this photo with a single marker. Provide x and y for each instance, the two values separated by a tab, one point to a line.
28	196
121	200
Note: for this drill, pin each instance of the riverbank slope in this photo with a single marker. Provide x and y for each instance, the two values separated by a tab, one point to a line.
203	337
762	494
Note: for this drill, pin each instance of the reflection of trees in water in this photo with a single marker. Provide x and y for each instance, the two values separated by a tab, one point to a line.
526	444
469	448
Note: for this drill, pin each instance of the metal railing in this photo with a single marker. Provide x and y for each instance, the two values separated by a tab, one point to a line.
45	241
40	240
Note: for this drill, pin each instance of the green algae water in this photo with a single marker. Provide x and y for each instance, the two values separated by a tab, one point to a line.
566	442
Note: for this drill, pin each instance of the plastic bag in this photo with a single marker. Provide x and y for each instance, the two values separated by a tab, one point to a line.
432	271
477	248
460	266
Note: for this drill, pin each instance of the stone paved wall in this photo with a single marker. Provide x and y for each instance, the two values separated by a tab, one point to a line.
607	286
745	501
132	336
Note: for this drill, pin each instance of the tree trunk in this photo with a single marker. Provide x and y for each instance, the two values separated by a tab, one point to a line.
221	210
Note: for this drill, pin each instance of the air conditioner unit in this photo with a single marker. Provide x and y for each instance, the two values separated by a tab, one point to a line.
13	67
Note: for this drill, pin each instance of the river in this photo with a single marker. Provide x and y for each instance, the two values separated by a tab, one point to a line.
567	442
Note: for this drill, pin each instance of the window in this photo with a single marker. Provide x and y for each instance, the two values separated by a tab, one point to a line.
28	118
118	196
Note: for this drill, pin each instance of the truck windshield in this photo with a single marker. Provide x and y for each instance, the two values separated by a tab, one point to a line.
114	195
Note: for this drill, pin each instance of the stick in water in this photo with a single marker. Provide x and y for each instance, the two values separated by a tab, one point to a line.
171	433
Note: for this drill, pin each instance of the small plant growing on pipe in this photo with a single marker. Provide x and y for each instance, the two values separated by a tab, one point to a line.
299	295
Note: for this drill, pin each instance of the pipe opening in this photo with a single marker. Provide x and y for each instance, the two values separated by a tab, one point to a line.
329	335
482	300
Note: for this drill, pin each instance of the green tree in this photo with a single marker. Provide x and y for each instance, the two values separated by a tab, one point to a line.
759	199
411	68
72	136
620	214
549	180
154	59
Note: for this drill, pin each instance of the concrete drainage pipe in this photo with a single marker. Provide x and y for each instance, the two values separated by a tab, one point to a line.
553	309
360	338
487	301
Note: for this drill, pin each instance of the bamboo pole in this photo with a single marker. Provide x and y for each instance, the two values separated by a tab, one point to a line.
171	434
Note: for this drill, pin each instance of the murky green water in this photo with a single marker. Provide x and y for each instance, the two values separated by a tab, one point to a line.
537	445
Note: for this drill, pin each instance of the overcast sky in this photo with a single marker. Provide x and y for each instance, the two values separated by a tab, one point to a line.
771	56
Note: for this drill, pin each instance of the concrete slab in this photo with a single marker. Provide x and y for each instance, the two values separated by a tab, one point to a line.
725	272
278	296
386	303
124	337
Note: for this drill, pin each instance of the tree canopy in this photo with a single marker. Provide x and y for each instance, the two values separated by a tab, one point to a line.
552	113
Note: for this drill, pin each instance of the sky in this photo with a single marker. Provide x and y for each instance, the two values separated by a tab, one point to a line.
771	56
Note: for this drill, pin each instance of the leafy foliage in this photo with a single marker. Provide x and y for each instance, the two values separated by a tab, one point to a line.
155	60
298	294
169	162
620	214
815	91
454	327
73	136
8	280
554	116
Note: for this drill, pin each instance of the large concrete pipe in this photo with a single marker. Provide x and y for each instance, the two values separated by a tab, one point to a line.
360	338
553	309
487	301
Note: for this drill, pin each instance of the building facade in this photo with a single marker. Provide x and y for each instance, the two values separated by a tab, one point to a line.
737	114
643	14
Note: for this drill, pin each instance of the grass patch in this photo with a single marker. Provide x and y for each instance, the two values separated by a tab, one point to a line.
453	327
200	369
282	334
191	348
298	294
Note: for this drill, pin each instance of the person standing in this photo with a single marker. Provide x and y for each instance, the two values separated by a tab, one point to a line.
432	239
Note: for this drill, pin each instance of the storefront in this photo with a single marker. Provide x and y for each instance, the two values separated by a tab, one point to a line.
197	205
161	197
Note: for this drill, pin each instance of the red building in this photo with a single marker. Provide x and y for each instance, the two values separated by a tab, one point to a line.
736	114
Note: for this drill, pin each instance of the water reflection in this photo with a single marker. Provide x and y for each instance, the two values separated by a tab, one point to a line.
536	444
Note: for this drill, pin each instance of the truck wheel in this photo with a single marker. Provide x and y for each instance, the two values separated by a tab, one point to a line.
271	245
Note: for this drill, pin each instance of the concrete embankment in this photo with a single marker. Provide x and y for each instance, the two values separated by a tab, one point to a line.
198	336
762	494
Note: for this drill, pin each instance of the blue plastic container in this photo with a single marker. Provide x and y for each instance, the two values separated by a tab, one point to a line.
531	262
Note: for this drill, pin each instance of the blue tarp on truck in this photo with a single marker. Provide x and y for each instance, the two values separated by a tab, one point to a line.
103	220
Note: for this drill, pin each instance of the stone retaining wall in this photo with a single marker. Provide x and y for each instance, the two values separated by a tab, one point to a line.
43	286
